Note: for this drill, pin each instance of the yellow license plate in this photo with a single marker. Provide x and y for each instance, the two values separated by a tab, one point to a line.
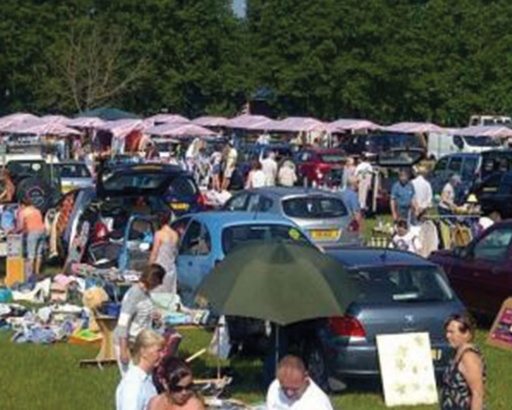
179	206
324	234
436	354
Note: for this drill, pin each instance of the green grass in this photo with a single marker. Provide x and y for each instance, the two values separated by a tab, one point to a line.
48	377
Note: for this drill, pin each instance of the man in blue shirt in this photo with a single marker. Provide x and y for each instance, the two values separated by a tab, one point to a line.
402	198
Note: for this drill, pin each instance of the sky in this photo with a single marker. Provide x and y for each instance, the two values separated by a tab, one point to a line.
239	7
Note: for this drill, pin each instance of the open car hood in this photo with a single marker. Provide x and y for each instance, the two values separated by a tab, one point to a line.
400	157
136	179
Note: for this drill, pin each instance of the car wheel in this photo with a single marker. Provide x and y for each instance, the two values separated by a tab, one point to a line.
317	365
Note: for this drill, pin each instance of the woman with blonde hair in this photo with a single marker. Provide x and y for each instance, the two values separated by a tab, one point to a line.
136	388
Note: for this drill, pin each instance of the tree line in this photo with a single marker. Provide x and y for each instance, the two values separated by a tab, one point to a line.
386	60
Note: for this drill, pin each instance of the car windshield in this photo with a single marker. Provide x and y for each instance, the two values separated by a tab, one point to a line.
147	180
73	171
481	141
401	284
311	207
330	158
233	236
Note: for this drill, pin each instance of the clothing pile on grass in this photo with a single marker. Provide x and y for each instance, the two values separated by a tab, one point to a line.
62	308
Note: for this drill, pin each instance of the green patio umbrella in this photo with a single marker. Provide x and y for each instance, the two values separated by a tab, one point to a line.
281	282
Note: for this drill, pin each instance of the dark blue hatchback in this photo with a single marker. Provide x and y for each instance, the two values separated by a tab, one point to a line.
400	293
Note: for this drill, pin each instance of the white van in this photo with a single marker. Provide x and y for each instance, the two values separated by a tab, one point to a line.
440	144
489	120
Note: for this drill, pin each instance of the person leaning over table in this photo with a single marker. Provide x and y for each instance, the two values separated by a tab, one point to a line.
176	378
294	389
136	388
136	314
463	382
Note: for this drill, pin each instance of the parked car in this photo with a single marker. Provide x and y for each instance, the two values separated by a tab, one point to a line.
481	273
400	293
473	168
494	194
321	166
121	192
73	175
321	214
440	144
207	237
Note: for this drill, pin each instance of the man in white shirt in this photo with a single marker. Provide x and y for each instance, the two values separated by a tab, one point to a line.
269	168
364	173
422	190
293	389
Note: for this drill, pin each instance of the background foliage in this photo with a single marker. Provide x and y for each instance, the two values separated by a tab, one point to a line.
386	60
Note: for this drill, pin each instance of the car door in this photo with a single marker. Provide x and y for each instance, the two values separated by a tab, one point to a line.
195	259
491	269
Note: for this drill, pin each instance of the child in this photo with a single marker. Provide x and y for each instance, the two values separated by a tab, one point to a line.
404	238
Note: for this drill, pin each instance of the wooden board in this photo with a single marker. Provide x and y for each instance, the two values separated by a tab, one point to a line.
500	334
15	266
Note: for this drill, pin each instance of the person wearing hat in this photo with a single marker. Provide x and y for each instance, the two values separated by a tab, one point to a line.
447	204
422	190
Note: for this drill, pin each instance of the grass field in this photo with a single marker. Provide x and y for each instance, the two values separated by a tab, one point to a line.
48	377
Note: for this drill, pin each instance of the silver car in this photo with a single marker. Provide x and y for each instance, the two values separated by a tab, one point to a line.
322	215
74	175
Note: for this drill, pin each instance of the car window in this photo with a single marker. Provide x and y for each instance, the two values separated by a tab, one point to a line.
493	246
197	240
314	207
441	164
304	156
74	171
252	204
237	203
234	236
265	204
455	165
401	284
180	225
469	167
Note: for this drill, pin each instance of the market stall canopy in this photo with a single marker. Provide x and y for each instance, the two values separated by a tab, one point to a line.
85	122
167	119
210	121
179	130
108	114
61	119
495	131
121	128
350	124
42	128
298	124
15	119
413	127
249	122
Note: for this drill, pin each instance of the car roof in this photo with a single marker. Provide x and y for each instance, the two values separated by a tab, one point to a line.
283	192
462	155
321	151
71	163
222	218
354	258
152	167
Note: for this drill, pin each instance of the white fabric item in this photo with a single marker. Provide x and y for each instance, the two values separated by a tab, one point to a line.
363	168
220	345
312	399
485	222
135	390
269	168
256	179
422	192
287	175
408	242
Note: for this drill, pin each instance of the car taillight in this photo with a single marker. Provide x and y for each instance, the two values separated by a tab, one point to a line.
347	326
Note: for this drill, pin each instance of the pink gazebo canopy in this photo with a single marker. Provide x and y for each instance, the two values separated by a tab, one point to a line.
166	119
298	124
179	130
121	128
85	122
495	131
351	124
61	119
210	121
16	119
248	122
413	127
43	128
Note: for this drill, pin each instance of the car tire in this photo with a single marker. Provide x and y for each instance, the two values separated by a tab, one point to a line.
36	190
316	364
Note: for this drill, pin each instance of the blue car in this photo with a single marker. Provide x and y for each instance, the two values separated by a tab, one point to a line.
400	293
206	238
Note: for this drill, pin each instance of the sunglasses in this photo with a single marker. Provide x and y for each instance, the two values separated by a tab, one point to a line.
178	389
